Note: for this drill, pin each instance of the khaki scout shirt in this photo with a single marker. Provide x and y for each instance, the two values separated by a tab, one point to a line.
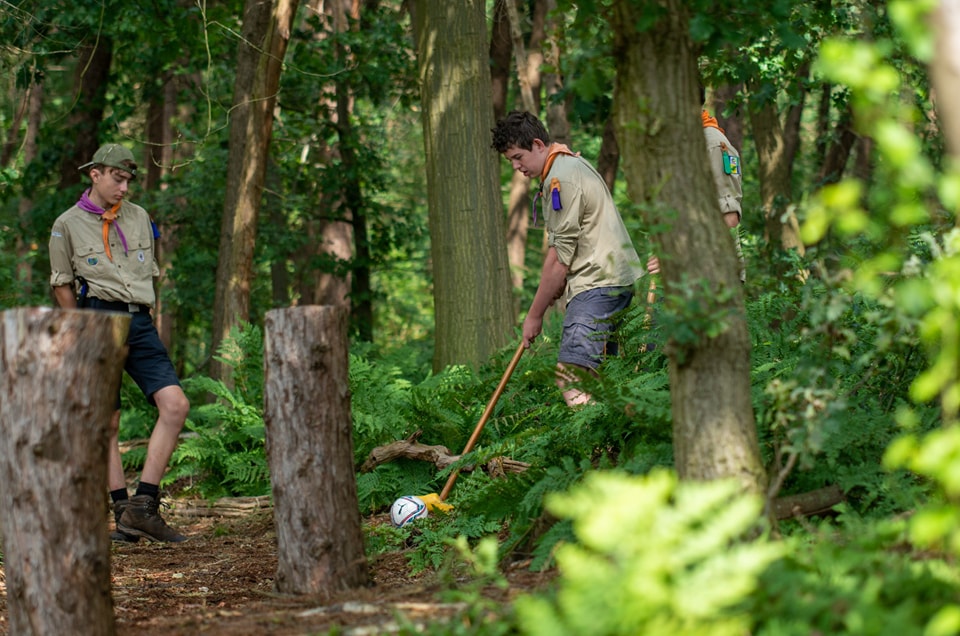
587	232
76	249
729	190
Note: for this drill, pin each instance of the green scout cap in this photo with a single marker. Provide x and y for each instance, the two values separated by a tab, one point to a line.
114	156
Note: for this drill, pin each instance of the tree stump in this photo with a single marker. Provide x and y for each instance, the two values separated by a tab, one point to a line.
59	376
309	441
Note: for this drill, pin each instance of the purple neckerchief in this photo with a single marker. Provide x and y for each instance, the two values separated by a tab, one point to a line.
87	205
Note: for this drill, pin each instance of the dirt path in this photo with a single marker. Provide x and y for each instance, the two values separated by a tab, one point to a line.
221	582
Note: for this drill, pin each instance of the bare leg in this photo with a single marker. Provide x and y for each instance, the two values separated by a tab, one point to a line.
573	396
173	406
115	478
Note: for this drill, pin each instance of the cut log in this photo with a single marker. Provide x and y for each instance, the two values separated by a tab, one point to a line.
309	443
59	377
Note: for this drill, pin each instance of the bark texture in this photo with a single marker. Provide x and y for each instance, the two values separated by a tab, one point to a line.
945	70
59	377
309	442
90	82
775	189
266	31
473	301
657	114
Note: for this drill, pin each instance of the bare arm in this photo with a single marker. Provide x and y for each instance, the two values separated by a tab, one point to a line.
553	280
65	297
732	219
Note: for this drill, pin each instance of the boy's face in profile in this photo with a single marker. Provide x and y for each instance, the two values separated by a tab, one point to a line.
528	162
109	185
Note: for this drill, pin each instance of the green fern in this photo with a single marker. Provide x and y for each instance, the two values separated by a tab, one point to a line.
224	455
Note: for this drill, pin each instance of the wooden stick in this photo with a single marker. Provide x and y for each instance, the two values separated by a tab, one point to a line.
483	418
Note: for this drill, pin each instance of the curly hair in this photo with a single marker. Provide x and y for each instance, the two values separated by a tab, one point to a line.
518	129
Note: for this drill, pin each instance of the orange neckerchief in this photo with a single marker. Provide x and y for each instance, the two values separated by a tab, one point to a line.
552	152
709	121
108	218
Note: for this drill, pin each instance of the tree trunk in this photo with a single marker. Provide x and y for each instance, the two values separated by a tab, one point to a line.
518	228
657	115
329	231
310	451
501	52
732	124
775	189
838	151
10	144
609	159
159	160
90	91
945	71
793	122
60	377
528	74
471	275
361	294
25	205
863	160
822	139
266	31
552	80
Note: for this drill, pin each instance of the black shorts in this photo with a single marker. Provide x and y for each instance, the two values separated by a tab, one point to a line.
148	362
589	324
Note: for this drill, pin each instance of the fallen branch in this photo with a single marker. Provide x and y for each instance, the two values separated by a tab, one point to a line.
808	503
439	456
224	507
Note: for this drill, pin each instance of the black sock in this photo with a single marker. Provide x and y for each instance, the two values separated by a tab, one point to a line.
148	489
120	494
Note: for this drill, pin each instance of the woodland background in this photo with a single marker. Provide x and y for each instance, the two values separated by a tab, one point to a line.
338	153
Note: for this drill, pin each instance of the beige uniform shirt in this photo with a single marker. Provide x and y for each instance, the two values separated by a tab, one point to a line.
729	190
587	232
729	186
76	249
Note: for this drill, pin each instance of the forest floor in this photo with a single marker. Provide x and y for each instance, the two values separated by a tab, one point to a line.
220	582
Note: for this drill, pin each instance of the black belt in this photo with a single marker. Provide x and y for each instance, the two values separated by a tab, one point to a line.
115	305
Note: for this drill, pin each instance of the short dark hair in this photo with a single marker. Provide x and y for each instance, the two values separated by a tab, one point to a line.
518	129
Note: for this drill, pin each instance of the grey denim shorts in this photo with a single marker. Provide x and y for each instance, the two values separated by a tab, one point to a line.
591	320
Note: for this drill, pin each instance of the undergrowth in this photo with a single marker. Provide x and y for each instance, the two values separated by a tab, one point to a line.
828	374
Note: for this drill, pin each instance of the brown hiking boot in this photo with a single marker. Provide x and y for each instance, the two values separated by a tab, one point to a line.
116	535
142	518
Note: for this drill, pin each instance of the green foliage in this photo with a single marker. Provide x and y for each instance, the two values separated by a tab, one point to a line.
886	220
466	573
693	313
854	578
225	455
674	561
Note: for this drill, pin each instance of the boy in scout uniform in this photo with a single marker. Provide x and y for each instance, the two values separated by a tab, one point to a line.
590	258
102	258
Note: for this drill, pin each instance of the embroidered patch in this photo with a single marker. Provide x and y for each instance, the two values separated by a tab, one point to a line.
92	260
141	257
555	194
56	234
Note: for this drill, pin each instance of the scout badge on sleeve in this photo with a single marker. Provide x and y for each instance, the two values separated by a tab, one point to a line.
731	163
555	194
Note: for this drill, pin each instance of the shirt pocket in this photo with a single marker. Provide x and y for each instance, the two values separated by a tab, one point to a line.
140	256
90	261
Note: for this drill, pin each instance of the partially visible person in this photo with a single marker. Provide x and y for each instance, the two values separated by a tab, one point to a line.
590	258
727	175
102	258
